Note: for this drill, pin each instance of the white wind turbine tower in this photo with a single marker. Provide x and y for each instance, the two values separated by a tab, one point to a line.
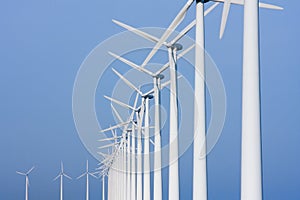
61	175
87	174
103	187
26	181
251	172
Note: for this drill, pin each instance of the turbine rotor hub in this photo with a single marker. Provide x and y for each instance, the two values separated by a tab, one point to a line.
160	76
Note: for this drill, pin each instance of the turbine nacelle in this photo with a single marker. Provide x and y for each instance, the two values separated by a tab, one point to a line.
160	76
177	46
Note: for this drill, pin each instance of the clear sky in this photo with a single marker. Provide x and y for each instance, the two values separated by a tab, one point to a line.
42	46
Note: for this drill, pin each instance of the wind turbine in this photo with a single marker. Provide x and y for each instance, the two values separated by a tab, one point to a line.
168	32
87	174
61	175
251	172
102	173
26	180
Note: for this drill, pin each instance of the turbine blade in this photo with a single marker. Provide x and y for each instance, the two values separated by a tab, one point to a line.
208	10
21	173
113	132
61	166
30	170
165	84
127	82
133	111
226	8
151	141
81	176
103	154
168	32
93	175
185	51
137	31
102	163
114	127
149	92
119	102
56	177
107	146
117	114
261	5
135	101
109	139
270	6
183	32
67	176
131	64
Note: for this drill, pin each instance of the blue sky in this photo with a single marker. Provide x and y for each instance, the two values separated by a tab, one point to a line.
43	44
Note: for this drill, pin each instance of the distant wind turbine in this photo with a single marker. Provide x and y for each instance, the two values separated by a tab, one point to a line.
87	174
61	175
26	181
